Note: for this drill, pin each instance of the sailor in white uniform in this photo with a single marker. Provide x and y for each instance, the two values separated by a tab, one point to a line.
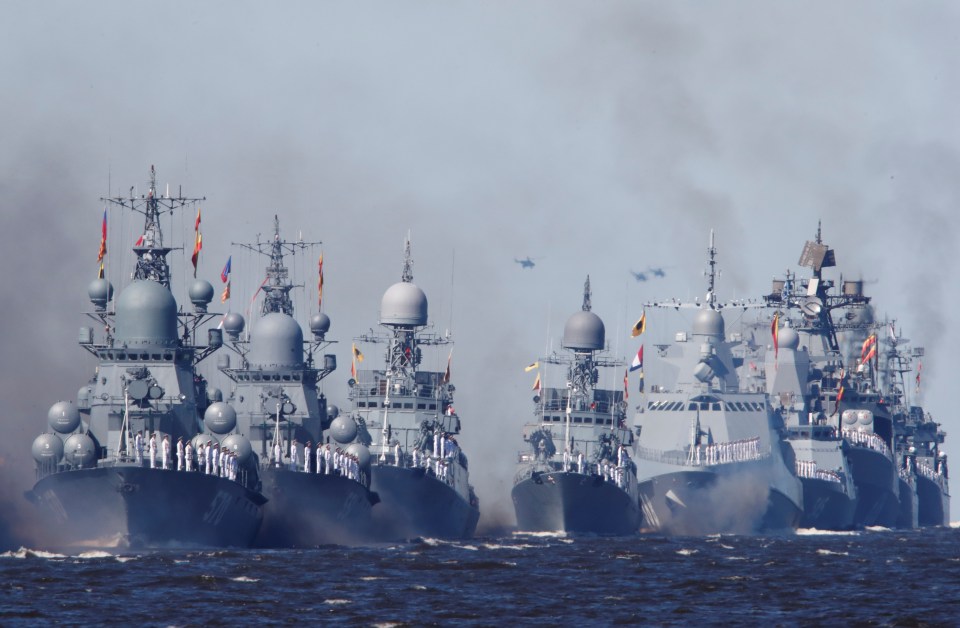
307	451
138	446
165	451
188	453
153	451
277	453
294	455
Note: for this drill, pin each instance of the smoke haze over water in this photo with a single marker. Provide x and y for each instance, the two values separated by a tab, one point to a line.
595	138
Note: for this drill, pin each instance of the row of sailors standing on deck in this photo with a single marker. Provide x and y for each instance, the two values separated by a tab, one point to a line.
209	459
866	439
610	472
329	461
732	451
446	450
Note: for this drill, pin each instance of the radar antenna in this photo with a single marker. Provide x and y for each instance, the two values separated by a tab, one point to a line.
151	253
407	275
277	285
586	295
711	273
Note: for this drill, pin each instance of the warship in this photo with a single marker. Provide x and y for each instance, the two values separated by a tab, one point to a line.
918	438
404	415
710	455
275	405
589	483
97	486
840	397
789	377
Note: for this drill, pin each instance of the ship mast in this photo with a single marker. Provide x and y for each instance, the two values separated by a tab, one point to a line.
151	253
277	286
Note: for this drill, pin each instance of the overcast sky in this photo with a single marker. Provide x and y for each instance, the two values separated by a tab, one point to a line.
595	137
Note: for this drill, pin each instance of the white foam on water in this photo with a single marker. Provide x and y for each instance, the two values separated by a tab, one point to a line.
553	534
245	579
877	529
95	554
337	602
24	552
688	552
826	552
497	546
816	532
370	578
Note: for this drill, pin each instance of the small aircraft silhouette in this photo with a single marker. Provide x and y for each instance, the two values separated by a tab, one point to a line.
525	263
657	272
639	276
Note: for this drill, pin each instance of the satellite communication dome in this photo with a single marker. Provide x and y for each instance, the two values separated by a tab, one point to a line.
239	445
200	293
63	417
319	324
233	323
146	316
403	304
362	454
343	429
47	448
220	417
100	292
333	411
276	341
708	323
79	450
583	331
788	338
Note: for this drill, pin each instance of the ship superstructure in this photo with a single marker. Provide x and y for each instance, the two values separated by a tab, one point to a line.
710	455
577	475
317	493
119	468
839	397
405	415
918	438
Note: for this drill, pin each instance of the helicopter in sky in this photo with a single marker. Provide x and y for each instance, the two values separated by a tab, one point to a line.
525	263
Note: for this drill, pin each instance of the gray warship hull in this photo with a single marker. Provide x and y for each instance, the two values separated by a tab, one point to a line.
414	503
574	502
876	480
132	507
704	502
826	506
907	514
933	504
309	509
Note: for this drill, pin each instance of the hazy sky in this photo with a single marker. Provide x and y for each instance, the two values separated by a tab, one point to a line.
595	137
